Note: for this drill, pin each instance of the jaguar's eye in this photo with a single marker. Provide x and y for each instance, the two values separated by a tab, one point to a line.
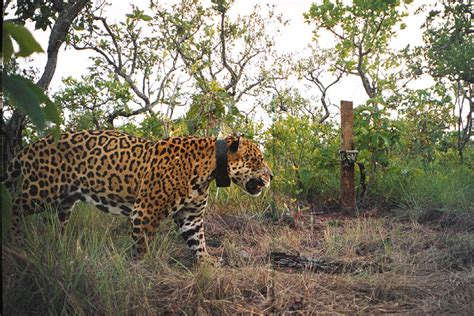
256	161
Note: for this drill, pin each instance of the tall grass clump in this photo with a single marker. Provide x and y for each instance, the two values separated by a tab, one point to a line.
417	186
82	271
234	200
88	270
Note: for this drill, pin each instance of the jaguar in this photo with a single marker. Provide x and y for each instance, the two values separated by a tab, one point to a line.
143	180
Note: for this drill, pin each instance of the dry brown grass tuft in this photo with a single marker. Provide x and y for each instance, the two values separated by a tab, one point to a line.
425	269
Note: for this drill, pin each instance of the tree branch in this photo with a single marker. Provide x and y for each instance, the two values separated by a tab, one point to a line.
369	89
323	89
161	89
57	37
248	88
233	80
123	113
113	38
117	69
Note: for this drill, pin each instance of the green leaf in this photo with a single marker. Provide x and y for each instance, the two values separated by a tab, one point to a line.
305	176
26	42
7	50
19	91
51	111
6	209
145	17
28	97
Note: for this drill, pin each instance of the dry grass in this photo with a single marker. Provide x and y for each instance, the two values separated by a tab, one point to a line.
426	269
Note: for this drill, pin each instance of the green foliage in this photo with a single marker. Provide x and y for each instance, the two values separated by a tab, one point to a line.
448	35
138	14
27	97
187	54
417	186
90	102
151	127
304	157
427	116
208	109
417	166
447	56
22	92
26	43
362	31
226	57
375	134
41	12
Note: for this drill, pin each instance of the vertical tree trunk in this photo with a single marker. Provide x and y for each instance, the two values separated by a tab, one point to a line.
347	169
11	138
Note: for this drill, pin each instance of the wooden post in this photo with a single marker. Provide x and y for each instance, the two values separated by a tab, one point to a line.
347	169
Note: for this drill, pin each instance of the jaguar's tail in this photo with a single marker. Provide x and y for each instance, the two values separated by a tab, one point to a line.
12	174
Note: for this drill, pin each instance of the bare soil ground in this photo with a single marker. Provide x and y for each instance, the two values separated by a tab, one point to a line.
381	264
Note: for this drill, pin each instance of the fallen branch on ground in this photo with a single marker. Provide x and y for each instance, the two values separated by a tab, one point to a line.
283	260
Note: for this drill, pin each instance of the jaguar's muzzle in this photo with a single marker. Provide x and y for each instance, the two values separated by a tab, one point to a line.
255	186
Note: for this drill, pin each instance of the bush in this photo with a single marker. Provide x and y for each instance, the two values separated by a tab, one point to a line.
304	156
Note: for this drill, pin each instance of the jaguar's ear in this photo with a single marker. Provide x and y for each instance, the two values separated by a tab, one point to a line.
235	144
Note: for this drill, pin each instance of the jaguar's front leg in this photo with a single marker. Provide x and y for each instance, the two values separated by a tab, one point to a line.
145	222
191	227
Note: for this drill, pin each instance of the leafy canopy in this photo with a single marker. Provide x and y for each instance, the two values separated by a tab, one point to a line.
448	36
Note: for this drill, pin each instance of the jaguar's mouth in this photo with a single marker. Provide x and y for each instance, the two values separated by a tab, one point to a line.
255	186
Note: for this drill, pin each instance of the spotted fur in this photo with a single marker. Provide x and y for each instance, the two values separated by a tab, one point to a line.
126	175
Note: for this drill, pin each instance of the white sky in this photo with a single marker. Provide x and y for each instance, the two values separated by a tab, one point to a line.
293	39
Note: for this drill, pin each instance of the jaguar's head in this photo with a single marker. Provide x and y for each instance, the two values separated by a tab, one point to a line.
246	166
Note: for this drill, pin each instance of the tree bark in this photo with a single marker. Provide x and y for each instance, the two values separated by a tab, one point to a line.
347	170
58	36
12	134
11	137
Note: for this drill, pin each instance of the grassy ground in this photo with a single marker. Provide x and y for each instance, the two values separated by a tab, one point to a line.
423	268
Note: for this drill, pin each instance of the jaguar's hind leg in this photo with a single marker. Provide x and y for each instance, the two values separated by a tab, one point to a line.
144	226
64	212
65	207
